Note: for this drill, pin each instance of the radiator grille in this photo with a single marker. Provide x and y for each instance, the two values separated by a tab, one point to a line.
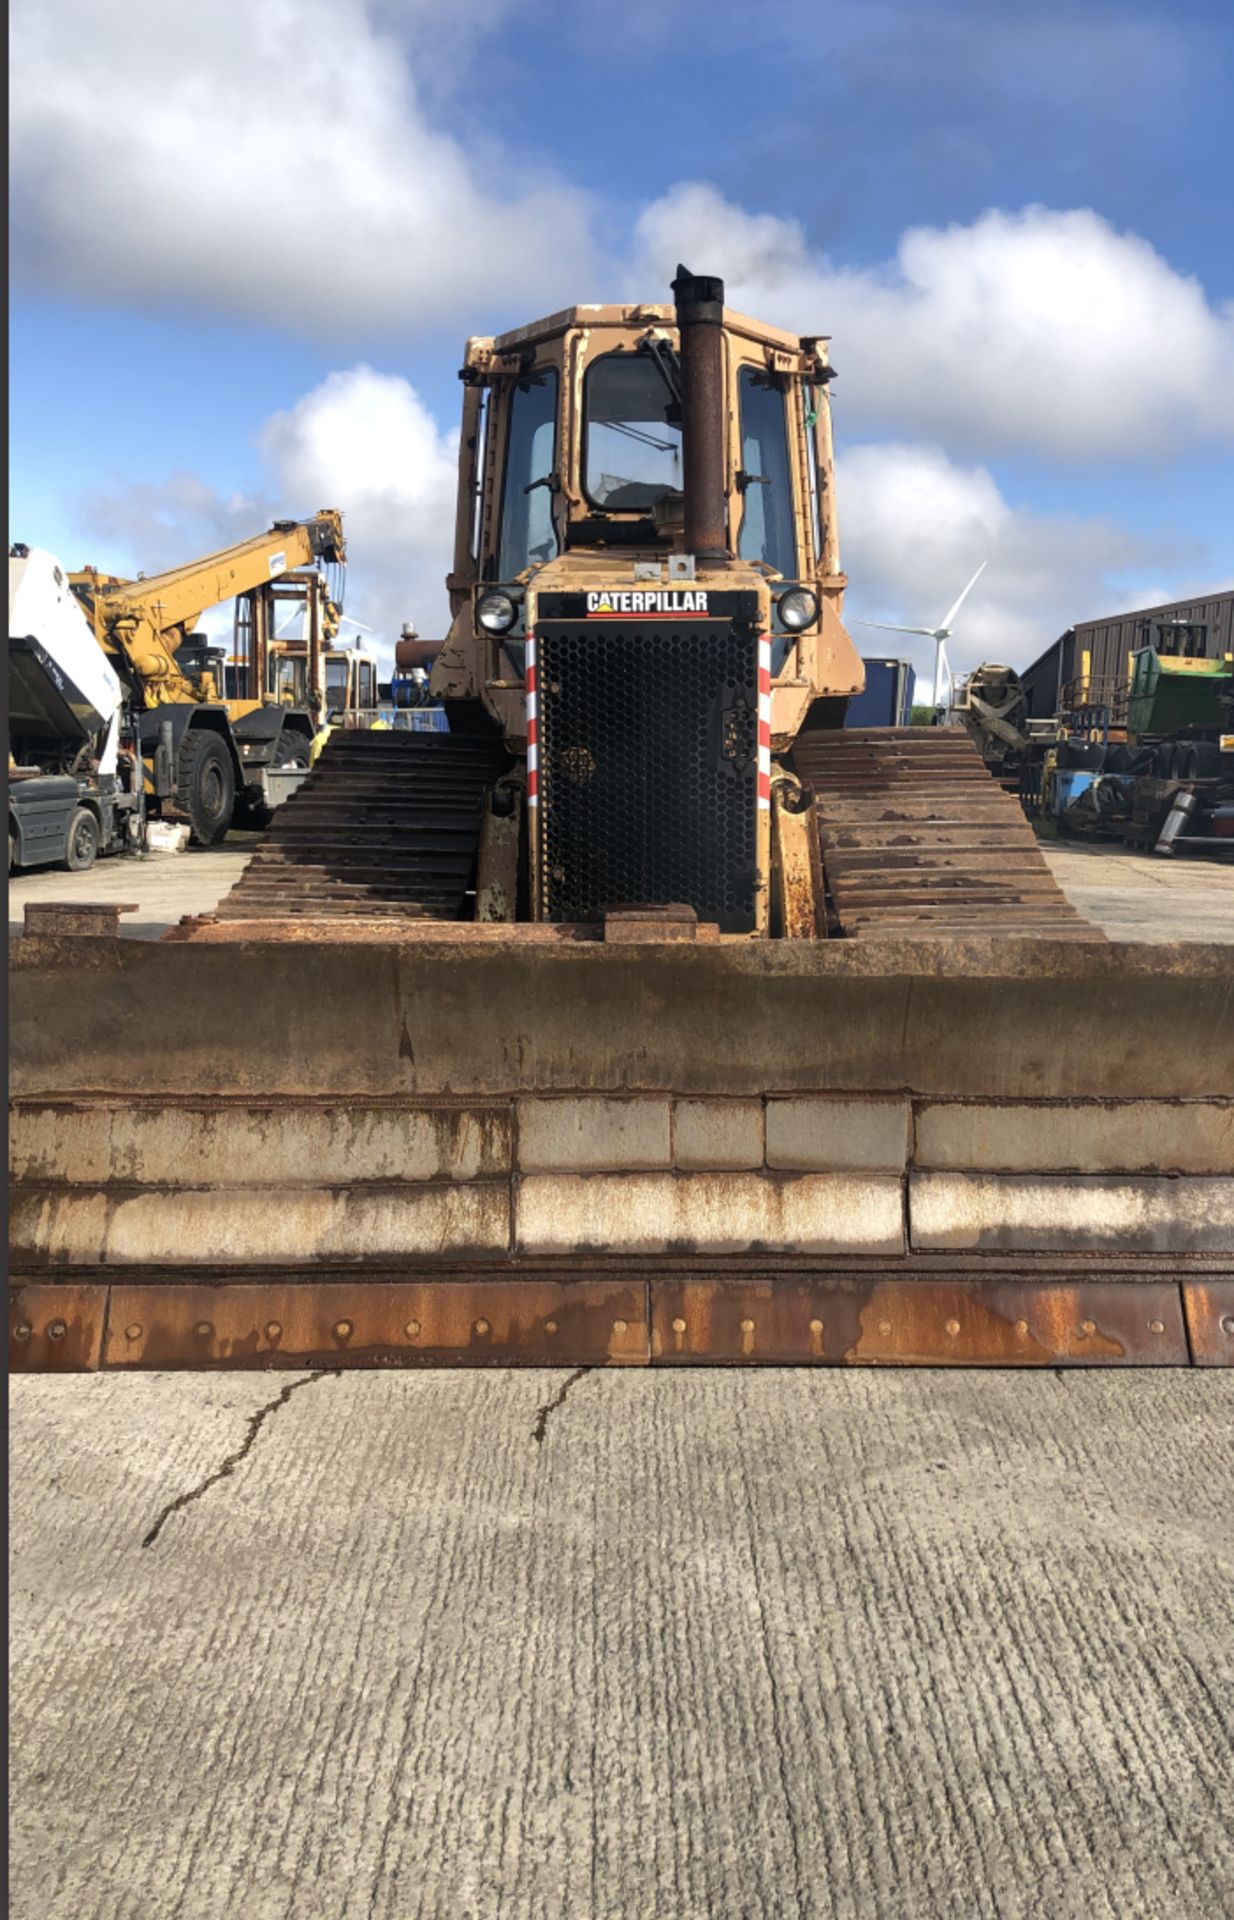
648	767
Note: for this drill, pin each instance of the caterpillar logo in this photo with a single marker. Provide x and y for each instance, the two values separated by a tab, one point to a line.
606	606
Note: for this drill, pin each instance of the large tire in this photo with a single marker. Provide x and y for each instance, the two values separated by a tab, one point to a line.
82	841
205	786
292	749
1081	756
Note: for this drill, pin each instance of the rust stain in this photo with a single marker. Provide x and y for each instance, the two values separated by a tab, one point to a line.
623	1318
1209	1307
378	1323
56	1329
918	1322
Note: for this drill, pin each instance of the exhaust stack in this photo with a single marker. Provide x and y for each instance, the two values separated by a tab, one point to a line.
700	316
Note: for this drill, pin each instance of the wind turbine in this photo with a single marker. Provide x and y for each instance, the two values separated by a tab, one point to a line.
297	613
939	635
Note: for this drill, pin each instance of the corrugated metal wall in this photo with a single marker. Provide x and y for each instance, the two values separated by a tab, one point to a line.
1109	644
1042	681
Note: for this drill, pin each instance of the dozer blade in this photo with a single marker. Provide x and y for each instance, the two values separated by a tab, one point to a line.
482	1147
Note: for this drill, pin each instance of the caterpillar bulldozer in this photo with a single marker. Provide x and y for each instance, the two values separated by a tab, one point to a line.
669	1021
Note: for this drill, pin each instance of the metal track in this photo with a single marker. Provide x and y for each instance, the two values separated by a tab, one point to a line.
919	840
386	824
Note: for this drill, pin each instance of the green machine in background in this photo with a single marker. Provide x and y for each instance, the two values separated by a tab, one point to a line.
1171	695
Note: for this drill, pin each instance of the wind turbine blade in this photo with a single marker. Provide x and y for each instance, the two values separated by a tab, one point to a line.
884	628
945	622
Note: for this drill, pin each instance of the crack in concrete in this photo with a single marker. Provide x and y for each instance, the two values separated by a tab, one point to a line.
550	1406
228	1466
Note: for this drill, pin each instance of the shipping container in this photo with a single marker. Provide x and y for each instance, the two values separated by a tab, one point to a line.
888	697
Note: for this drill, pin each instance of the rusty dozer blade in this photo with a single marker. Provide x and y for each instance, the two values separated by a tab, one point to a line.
477	1147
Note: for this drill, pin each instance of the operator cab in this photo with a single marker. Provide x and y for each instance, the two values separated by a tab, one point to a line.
573	477
613	479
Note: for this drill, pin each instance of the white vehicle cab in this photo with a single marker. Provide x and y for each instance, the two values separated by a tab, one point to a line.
72	794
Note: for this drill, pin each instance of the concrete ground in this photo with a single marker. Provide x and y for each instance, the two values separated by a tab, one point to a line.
1146	896
163	886
681	1645
1133	896
642	1647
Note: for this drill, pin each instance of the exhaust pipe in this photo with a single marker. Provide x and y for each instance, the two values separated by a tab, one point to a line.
700	317
411	651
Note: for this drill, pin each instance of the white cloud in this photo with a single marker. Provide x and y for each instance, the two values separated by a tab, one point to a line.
320	166
157	524
365	442
361	441
1039	329
914	527
272	159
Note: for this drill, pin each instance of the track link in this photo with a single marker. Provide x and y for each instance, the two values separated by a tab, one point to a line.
387	824
919	840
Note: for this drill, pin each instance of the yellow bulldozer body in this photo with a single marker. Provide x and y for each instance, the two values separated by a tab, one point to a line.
649	1016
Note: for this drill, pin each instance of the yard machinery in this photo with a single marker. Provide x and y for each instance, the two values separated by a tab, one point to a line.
288	649
202	749
72	793
669	1022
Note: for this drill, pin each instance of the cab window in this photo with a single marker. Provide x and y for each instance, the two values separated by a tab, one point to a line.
633	445
336	686
767	511
289	680
527	534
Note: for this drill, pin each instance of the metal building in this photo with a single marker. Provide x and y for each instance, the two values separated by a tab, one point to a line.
1091	662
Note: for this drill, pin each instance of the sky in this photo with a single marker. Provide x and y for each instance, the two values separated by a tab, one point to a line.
249	240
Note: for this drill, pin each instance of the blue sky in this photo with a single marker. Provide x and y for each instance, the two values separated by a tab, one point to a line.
245	288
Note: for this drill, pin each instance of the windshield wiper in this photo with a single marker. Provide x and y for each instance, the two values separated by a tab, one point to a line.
665	358
637	433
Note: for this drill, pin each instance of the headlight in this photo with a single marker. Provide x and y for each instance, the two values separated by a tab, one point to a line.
797	608
496	612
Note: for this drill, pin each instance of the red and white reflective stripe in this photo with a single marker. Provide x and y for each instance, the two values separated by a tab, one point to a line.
764	720
533	726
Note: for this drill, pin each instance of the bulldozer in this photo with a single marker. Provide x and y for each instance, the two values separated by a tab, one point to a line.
670	1021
